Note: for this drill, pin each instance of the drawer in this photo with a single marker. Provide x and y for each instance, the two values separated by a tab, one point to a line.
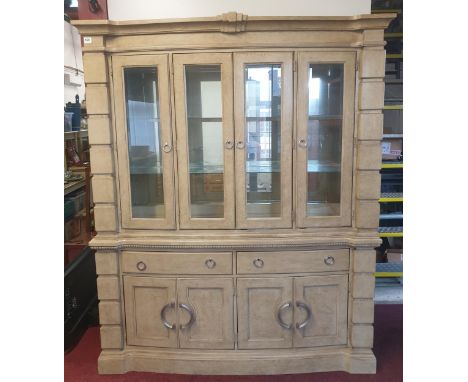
293	261
219	263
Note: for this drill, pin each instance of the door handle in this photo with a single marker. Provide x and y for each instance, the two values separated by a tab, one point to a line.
168	325
283	324
306	307
191	313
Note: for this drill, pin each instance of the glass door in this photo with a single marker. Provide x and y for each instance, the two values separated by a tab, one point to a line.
144	141
324	144
263	93
205	139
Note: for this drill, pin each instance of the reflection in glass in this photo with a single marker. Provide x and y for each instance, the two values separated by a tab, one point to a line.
144	152
205	140
324	127
263	140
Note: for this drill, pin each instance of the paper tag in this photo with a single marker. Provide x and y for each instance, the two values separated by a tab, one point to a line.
88	40
386	146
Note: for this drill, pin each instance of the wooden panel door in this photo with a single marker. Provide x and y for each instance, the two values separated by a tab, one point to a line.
321	308
263	98
205	139
146	300
206	313
324	139
144	141
262	303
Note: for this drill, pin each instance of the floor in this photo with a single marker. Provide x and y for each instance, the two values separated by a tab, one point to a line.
81	362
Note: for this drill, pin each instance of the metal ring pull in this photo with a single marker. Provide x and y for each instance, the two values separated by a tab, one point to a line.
168	325
191	313
283	324
302	142
210	263
259	263
306	307
141	266
329	260
240	144
229	144
167	147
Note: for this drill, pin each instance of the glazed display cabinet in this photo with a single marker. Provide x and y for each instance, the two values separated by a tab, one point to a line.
235	167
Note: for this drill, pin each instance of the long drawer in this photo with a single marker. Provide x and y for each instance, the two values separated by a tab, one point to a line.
293	261
218	263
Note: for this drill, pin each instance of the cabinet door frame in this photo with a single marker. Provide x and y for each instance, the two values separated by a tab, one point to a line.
227	319
160	61
179	62
341	283
348	59
130	284
286	61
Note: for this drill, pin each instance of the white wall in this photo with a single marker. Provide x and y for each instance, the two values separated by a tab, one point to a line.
72	64
163	9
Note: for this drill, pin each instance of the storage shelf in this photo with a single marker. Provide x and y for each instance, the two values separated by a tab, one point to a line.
391	216
396	10
389	269
389	197
73	134
393	56
392	136
393	35
392	165
391	231
73	186
393	107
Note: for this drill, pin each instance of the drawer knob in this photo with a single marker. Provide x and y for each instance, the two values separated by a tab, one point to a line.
141	266
329	260
258	263
210	263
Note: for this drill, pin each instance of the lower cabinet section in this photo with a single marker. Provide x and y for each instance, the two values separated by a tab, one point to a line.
272	312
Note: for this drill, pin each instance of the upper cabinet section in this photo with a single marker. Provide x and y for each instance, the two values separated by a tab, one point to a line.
144	141
325	121
205	139
263	97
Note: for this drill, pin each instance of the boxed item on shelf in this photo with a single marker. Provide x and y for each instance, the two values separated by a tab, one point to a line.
392	148
395	255
78	197
69	208
72	229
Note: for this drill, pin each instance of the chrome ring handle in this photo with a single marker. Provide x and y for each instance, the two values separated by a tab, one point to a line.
240	144
210	263
306	307
329	260
302	142
168	325
141	266
167	147
229	144
283	324
191	313
258	263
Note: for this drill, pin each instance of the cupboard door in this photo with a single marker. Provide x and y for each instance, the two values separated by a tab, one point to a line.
206	313
205	139
144	141
263	94
320	310
325	123
150	309
265	313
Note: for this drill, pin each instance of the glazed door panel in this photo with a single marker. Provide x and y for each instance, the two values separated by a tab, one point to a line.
262	305
205	139
321	308
263	97
144	141
148	302
206	313
324	139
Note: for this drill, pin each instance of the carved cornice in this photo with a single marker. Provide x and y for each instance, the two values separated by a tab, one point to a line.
233	22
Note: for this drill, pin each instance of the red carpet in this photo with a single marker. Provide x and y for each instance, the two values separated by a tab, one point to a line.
81	363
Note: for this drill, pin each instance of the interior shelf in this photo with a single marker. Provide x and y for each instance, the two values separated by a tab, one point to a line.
392	165
387	197
389	269
391	231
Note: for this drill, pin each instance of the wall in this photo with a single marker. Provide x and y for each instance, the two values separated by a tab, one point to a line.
160	9
72	64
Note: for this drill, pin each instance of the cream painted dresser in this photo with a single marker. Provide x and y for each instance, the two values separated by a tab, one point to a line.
235	167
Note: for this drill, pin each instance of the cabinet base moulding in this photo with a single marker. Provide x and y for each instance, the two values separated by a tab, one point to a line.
353	361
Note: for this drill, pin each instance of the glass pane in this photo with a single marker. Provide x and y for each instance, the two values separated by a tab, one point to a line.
205	140
144	152
263	140
324	129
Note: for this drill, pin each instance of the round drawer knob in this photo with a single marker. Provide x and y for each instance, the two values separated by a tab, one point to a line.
259	263
329	260
210	263
141	266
